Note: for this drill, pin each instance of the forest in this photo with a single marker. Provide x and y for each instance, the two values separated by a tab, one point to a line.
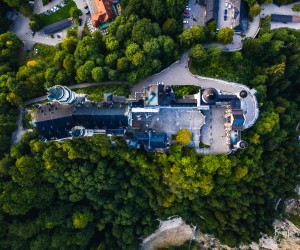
92	194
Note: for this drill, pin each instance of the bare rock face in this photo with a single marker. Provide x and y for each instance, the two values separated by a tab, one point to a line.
173	232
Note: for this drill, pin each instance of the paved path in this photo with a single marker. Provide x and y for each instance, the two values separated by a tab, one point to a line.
179	74
77	86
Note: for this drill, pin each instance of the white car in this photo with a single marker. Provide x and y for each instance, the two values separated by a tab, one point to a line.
185	21
226	4
187	8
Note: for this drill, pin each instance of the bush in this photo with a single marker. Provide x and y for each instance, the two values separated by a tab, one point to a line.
184	136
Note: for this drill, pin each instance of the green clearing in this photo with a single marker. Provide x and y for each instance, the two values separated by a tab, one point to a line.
295	219
96	92
40	52
58	15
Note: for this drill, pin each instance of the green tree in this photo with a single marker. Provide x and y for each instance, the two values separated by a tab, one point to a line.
198	54
184	136
82	218
75	12
143	30
296	7
84	72
192	36
225	36
98	74
254	10
169	27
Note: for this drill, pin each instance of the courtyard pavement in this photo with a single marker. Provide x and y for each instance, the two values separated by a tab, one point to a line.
269	9
179	74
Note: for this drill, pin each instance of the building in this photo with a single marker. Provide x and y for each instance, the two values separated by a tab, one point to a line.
55	27
146	120
103	11
285	18
212	9
241	15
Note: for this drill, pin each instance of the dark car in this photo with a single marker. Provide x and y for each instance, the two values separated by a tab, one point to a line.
88	12
86	7
225	18
225	12
186	16
79	21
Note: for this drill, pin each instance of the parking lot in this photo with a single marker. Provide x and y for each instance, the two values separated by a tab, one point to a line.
226	14
196	15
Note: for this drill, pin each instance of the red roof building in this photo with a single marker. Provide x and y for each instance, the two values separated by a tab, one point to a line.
104	12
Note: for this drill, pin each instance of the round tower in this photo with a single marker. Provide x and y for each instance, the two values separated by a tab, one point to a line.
61	94
77	132
242	144
210	96
243	94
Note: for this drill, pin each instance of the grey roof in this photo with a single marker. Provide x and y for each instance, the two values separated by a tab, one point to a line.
150	140
56	120
281	18
52	28
212	9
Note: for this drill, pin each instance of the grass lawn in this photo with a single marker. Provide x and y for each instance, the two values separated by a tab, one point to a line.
96	92
40	52
58	15
295	219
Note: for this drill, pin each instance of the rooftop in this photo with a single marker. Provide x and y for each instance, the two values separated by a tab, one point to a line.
103	11
52	28
150	119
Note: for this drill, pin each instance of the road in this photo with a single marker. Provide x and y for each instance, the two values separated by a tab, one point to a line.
77	86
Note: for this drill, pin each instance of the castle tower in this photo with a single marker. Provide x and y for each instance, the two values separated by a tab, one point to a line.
61	94
242	145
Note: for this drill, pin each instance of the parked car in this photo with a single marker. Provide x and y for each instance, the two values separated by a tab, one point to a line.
225	18
79	21
225	12
88	12
226	4
185	21
186	16
187	12
187	8
86	7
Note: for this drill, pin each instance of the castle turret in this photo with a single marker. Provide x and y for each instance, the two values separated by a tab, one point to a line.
61	94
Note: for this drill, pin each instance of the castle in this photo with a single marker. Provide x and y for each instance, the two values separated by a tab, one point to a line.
148	119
